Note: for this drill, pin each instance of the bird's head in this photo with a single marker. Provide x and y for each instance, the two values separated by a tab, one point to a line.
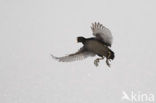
81	39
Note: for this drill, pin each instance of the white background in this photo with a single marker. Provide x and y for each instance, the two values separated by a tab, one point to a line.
31	30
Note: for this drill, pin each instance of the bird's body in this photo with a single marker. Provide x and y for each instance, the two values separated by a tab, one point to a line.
98	45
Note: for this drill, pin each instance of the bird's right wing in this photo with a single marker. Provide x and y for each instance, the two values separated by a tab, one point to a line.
102	33
81	54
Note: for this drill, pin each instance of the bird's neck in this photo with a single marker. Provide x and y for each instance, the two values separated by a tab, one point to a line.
83	42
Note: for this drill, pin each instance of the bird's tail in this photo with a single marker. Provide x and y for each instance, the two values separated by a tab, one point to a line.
112	55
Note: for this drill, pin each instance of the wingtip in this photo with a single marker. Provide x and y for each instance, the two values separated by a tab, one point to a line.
53	56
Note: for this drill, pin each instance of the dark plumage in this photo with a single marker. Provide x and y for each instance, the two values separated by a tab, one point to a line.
98	45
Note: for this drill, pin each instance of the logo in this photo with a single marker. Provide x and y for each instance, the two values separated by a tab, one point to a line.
137	96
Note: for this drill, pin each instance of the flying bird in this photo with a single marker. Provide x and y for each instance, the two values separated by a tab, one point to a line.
98	45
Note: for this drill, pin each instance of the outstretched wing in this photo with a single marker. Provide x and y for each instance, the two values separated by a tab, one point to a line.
102	33
81	54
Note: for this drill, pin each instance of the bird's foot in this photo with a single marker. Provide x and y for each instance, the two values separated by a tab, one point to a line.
96	62
107	62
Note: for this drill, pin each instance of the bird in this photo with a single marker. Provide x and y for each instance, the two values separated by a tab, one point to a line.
100	45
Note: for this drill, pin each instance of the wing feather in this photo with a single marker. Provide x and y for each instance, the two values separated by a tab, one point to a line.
102	33
81	54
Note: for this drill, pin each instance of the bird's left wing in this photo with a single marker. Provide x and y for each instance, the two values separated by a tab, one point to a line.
81	54
102	33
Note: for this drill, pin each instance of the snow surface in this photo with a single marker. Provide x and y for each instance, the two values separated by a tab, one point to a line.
31	30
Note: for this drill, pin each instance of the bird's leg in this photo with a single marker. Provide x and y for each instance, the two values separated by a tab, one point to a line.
96	61
107	62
